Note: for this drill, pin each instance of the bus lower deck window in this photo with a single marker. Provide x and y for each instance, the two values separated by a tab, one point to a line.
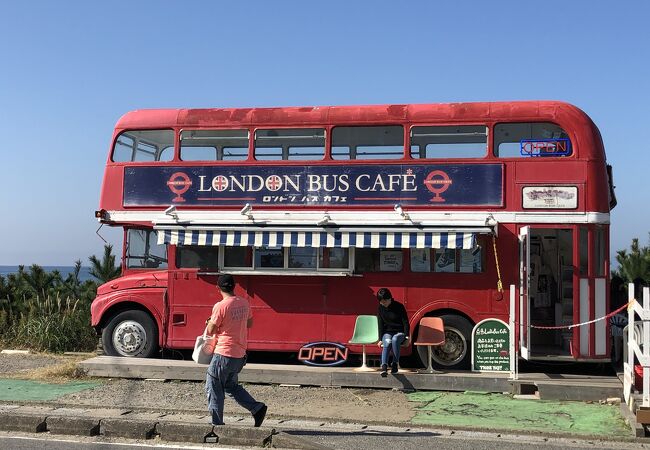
302	258
378	260
197	257
334	258
238	257
269	257
447	260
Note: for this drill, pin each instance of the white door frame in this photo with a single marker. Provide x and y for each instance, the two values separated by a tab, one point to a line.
524	288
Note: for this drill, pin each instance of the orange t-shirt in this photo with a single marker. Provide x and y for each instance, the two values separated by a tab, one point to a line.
231	318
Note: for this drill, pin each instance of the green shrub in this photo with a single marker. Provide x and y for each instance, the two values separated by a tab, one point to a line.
48	324
40	310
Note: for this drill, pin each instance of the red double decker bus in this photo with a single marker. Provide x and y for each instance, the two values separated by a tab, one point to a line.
314	209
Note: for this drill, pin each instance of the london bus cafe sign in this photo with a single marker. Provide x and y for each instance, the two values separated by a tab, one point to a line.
423	184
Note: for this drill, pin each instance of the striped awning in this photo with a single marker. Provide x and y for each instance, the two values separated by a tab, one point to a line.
331	239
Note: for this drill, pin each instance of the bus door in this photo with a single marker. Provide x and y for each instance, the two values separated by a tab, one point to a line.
547	291
192	293
524	287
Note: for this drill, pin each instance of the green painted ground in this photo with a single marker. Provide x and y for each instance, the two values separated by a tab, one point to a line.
502	412
17	390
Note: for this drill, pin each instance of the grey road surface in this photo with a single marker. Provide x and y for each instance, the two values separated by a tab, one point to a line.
413	439
48	442
372	439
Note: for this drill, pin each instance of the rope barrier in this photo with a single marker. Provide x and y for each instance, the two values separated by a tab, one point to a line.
568	327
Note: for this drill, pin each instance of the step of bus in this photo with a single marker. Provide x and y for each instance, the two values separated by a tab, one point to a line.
550	386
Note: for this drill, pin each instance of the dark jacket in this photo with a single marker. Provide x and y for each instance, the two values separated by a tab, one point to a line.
393	319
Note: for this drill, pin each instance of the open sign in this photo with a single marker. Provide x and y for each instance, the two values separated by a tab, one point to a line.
323	354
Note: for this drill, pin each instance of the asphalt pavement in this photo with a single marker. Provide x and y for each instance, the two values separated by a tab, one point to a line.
336	438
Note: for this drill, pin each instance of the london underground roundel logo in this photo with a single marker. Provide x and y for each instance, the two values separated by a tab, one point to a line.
437	182
179	183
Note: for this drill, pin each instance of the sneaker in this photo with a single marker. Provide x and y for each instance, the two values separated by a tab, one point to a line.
384	371
394	368
260	415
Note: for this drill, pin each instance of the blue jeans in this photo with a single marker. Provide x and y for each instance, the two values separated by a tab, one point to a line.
389	341
222	379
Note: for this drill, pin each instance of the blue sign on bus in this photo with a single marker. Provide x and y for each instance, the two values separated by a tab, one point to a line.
436	185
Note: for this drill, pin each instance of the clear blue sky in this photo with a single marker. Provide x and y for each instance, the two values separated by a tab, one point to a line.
70	69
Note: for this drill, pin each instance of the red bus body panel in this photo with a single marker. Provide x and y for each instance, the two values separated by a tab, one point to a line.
292	311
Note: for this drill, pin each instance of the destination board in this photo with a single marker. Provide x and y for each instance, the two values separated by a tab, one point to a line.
438	185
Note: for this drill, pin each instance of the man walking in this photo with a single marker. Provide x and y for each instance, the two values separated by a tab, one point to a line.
230	320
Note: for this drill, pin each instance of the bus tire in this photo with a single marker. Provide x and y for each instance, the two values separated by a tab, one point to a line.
456	352
131	334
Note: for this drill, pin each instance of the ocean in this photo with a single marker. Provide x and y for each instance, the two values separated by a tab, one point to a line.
84	274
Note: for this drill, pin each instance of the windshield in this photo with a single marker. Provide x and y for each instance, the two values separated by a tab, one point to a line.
143	250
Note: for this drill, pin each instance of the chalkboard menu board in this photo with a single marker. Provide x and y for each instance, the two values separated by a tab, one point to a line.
491	346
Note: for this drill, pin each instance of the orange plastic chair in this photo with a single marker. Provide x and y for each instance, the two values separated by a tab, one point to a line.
431	332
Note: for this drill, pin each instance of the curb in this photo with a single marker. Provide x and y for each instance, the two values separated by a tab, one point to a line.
80	426
47	420
146	423
15	421
223	435
638	431
127	428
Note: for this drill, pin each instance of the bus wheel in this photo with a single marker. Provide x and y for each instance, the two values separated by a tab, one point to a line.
455	353
131	333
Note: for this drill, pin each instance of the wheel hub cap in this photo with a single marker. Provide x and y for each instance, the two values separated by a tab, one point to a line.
129	338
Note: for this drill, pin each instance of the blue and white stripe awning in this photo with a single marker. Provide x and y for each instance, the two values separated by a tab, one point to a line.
331	239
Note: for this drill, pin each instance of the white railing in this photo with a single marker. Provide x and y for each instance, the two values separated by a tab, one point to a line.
635	349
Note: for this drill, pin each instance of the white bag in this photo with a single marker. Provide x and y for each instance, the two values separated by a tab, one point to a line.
203	348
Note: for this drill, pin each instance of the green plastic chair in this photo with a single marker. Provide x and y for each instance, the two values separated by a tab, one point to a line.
366	331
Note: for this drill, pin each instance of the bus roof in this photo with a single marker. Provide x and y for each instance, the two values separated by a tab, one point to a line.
554	111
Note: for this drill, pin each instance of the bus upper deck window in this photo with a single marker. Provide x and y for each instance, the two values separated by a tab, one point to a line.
534	139
144	145
383	142
465	141
214	145
296	144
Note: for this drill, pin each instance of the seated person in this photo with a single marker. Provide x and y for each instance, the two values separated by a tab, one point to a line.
393	328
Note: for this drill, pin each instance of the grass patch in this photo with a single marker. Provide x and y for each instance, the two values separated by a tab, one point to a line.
502	412
28	390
